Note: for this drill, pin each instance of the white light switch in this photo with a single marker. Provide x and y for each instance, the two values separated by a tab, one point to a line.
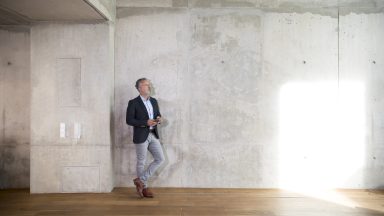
77	130
62	130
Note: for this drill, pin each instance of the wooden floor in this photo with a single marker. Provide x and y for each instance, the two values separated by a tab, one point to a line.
173	201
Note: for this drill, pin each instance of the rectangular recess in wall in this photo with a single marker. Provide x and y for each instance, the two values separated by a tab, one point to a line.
68	81
80	179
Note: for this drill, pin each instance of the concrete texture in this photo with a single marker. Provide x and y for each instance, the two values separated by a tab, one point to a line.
254	93
54	158
14	12
144	48
14	107
106	8
72	70
261	4
362	59
61	75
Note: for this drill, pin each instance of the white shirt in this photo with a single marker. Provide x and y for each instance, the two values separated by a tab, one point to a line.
149	107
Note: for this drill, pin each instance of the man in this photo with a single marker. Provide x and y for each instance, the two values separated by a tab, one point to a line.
143	114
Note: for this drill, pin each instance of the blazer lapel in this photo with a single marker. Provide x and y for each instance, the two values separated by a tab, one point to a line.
142	106
154	107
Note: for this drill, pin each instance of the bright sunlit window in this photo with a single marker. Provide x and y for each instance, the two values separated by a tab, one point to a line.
321	135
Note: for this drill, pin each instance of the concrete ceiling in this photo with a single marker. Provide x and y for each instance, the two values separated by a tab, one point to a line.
23	12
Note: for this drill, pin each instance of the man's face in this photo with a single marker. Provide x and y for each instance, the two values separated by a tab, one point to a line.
144	87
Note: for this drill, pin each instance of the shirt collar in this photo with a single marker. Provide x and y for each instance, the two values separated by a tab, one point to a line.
143	99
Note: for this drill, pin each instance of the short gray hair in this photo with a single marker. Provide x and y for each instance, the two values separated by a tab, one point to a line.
139	81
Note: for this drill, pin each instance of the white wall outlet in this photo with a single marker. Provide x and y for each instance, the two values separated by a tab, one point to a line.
62	130
77	130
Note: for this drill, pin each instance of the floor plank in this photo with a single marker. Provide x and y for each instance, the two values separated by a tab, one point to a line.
195	201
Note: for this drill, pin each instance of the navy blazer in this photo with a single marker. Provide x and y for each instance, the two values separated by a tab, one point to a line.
137	116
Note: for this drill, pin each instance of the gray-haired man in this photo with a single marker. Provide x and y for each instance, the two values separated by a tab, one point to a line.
143	114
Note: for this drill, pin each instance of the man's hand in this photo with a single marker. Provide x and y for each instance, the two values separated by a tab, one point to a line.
151	122
159	119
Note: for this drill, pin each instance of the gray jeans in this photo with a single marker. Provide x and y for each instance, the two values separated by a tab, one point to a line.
154	146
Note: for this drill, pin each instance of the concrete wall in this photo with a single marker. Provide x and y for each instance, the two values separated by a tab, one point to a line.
105	7
362	59
14	107
72	83
254	94
62	75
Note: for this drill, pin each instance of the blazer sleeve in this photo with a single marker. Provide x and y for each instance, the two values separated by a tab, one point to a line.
130	118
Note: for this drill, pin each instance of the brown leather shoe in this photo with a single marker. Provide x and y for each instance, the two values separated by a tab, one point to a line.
139	186
147	193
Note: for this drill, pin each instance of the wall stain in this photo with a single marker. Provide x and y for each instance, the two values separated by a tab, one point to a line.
147	11
14	164
3	121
